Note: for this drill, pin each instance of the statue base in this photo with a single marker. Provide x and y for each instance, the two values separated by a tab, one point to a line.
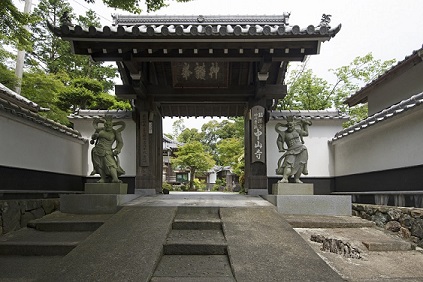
106	188
292	189
333	205
94	203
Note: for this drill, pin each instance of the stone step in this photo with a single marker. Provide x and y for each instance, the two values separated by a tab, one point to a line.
65	226
388	245
195	242
64	222
193	268
197	218
324	221
30	242
197	224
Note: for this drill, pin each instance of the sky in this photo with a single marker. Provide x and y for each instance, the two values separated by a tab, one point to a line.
390	29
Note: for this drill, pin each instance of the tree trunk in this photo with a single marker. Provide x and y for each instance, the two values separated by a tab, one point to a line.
191	181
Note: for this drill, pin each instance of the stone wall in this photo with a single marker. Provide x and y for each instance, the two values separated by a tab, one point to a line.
15	214
406	222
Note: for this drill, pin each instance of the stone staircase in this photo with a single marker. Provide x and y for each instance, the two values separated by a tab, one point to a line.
53	235
43	242
195	249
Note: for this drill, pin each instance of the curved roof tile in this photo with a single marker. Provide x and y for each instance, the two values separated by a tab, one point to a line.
388	113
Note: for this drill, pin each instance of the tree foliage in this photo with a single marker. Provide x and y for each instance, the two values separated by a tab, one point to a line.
192	156
309	92
13	26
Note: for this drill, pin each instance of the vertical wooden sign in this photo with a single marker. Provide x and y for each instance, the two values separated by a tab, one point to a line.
258	133
144	137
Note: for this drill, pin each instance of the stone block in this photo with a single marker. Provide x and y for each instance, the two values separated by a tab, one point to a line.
93	203
257	192
292	189
106	188
145	192
11	214
312	204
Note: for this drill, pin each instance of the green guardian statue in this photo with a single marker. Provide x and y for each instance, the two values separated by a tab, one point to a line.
293	162
104	157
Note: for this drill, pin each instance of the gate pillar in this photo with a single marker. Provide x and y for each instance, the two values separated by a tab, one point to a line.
255	150
149	150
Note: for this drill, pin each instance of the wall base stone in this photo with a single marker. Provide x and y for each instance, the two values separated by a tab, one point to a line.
404	221
15	214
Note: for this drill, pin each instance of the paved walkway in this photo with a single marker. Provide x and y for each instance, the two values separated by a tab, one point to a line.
261	246
215	237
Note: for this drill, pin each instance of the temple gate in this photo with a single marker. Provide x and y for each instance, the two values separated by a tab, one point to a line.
176	66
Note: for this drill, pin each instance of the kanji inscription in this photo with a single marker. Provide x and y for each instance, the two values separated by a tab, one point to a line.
200	74
258	135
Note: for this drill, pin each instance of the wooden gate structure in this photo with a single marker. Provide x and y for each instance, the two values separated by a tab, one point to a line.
218	66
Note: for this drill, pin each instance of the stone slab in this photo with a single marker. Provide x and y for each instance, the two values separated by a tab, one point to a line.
204	266
257	192
292	189
312	205
145	192
106	188
326	221
127	247
262	246
94	203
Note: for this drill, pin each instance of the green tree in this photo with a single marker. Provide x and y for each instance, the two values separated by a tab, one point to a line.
54	55
351	78
177	127
309	92
229	151
12	26
189	135
7	77
192	156
306	91
213	132
42	88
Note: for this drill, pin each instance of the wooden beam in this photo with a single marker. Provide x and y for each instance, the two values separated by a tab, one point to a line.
125	92
272	91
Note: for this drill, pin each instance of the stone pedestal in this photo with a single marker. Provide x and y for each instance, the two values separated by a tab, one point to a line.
292	189
106	188
94	203
312	204
299	198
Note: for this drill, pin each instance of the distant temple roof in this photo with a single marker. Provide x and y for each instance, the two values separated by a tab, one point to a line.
14	104
361	95
388	113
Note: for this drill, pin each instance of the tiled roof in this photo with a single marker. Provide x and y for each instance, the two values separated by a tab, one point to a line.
127	20
14	107
361	95
394	110
15	98
90	114
147	26
308	114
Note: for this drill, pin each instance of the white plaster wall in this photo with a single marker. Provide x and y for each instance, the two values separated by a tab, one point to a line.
24	144
395	143
320	162
127	157
393	91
